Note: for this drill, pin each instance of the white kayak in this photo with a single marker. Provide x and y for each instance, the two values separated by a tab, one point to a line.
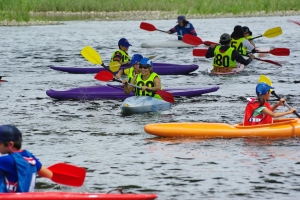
166	44
226	70
143	104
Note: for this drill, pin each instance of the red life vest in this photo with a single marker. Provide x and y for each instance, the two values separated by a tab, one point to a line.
261	118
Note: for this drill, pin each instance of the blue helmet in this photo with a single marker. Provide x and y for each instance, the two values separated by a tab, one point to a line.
136	58
9	133
263	88
146	61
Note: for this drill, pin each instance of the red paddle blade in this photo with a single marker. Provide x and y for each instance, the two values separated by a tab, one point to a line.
280	52
104	76
298	23
192	40
166	96
270	61
208	43
199	52
67	174
148	27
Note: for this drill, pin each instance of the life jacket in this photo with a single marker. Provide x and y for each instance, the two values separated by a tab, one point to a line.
223	59
149	83
262	118
124	56
130	73
238	45
249	37
26	172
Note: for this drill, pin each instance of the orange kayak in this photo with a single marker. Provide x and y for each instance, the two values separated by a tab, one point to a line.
285	127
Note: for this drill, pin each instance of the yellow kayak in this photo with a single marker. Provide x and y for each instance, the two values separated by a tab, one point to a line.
285	127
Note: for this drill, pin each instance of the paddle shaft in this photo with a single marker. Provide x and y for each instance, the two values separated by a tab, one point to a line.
274	93
148	90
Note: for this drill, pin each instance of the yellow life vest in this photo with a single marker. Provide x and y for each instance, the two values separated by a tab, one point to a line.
238	45
130	73
149	83
249	37
223	59
125	57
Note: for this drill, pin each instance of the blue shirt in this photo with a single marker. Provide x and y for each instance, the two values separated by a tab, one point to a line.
7	165
188	29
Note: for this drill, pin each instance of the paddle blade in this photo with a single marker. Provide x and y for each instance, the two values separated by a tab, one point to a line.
199	52
148	27
166	96
91	55
266	80
114	66
269	61
104	76
192	40
298	23
67	174
273	32
280	52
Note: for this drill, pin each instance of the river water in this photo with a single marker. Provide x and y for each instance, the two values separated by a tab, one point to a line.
115	150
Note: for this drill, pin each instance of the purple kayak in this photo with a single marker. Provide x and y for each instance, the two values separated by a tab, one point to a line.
116	92
160	68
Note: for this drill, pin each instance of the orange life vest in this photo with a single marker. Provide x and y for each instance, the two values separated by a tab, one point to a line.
259	119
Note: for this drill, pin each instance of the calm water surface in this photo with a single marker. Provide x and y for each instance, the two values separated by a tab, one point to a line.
115	150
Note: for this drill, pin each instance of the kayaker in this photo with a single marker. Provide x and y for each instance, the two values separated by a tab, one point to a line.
133	70
18	168
121	55
147	79
248	34
183	27
225	57
259	111
239	42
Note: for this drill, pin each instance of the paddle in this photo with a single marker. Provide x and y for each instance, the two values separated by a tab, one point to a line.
187	38
67	174
115	66
273	32
298	23
268	61
266	80
107	76
278	52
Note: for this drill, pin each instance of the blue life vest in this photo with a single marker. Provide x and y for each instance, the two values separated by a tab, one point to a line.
26	172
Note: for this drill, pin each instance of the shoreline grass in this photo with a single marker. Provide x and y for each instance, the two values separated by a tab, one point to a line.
23	10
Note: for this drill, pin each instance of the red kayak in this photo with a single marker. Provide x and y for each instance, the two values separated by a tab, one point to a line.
74	196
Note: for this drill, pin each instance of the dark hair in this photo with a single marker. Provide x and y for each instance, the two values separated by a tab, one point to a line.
225	42
185	22
17	144
237	32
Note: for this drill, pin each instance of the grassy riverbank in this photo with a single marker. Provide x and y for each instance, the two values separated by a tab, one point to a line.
23	10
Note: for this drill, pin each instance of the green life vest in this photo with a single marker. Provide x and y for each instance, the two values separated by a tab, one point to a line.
223	59
125	57
249	37
149	83
130	73
238	45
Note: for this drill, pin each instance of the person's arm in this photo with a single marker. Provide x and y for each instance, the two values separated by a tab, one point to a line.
128	88
248	45
172	30
240	59
192	30
119	74
118	57
156	87
210	51
277	114
45	172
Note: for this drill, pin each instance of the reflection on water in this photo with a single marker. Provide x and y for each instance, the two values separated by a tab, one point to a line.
114	149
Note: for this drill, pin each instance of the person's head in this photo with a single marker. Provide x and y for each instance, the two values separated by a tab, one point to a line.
123	44
246	31
263	92
146	66
135	62
225	39
237	32
10	137
181	20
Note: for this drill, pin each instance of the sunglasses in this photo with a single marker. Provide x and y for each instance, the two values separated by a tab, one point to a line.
145	66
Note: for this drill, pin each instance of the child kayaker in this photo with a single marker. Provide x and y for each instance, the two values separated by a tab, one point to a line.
147	79
133	70
259	111
225	57
121	55
18	168
183	27
248	34
239	42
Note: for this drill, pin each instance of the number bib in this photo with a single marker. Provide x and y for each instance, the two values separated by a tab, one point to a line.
223	59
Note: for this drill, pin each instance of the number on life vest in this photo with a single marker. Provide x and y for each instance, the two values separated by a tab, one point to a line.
221	60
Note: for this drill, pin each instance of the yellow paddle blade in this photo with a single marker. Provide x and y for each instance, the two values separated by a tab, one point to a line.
266	80
114	66
91	55
273	32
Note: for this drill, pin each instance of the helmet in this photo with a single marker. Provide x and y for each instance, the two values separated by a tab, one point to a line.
136	58
9	133
147	62
262	88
